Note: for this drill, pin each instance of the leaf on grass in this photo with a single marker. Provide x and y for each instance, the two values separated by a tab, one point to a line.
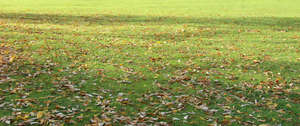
39	114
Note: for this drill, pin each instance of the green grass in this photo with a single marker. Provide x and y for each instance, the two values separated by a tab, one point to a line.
179	62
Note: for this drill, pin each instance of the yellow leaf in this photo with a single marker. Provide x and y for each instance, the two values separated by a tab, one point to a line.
264	125
25	117
19	117
228	117
107	119
39	114
12	58
202	118
1	58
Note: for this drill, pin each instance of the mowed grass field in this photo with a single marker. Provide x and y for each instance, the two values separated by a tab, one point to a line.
150	62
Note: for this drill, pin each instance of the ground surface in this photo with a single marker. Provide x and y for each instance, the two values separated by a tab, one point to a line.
177	62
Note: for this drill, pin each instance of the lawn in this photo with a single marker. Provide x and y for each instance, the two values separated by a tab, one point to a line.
150	62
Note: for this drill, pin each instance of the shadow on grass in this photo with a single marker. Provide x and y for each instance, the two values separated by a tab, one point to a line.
273	23
290	22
